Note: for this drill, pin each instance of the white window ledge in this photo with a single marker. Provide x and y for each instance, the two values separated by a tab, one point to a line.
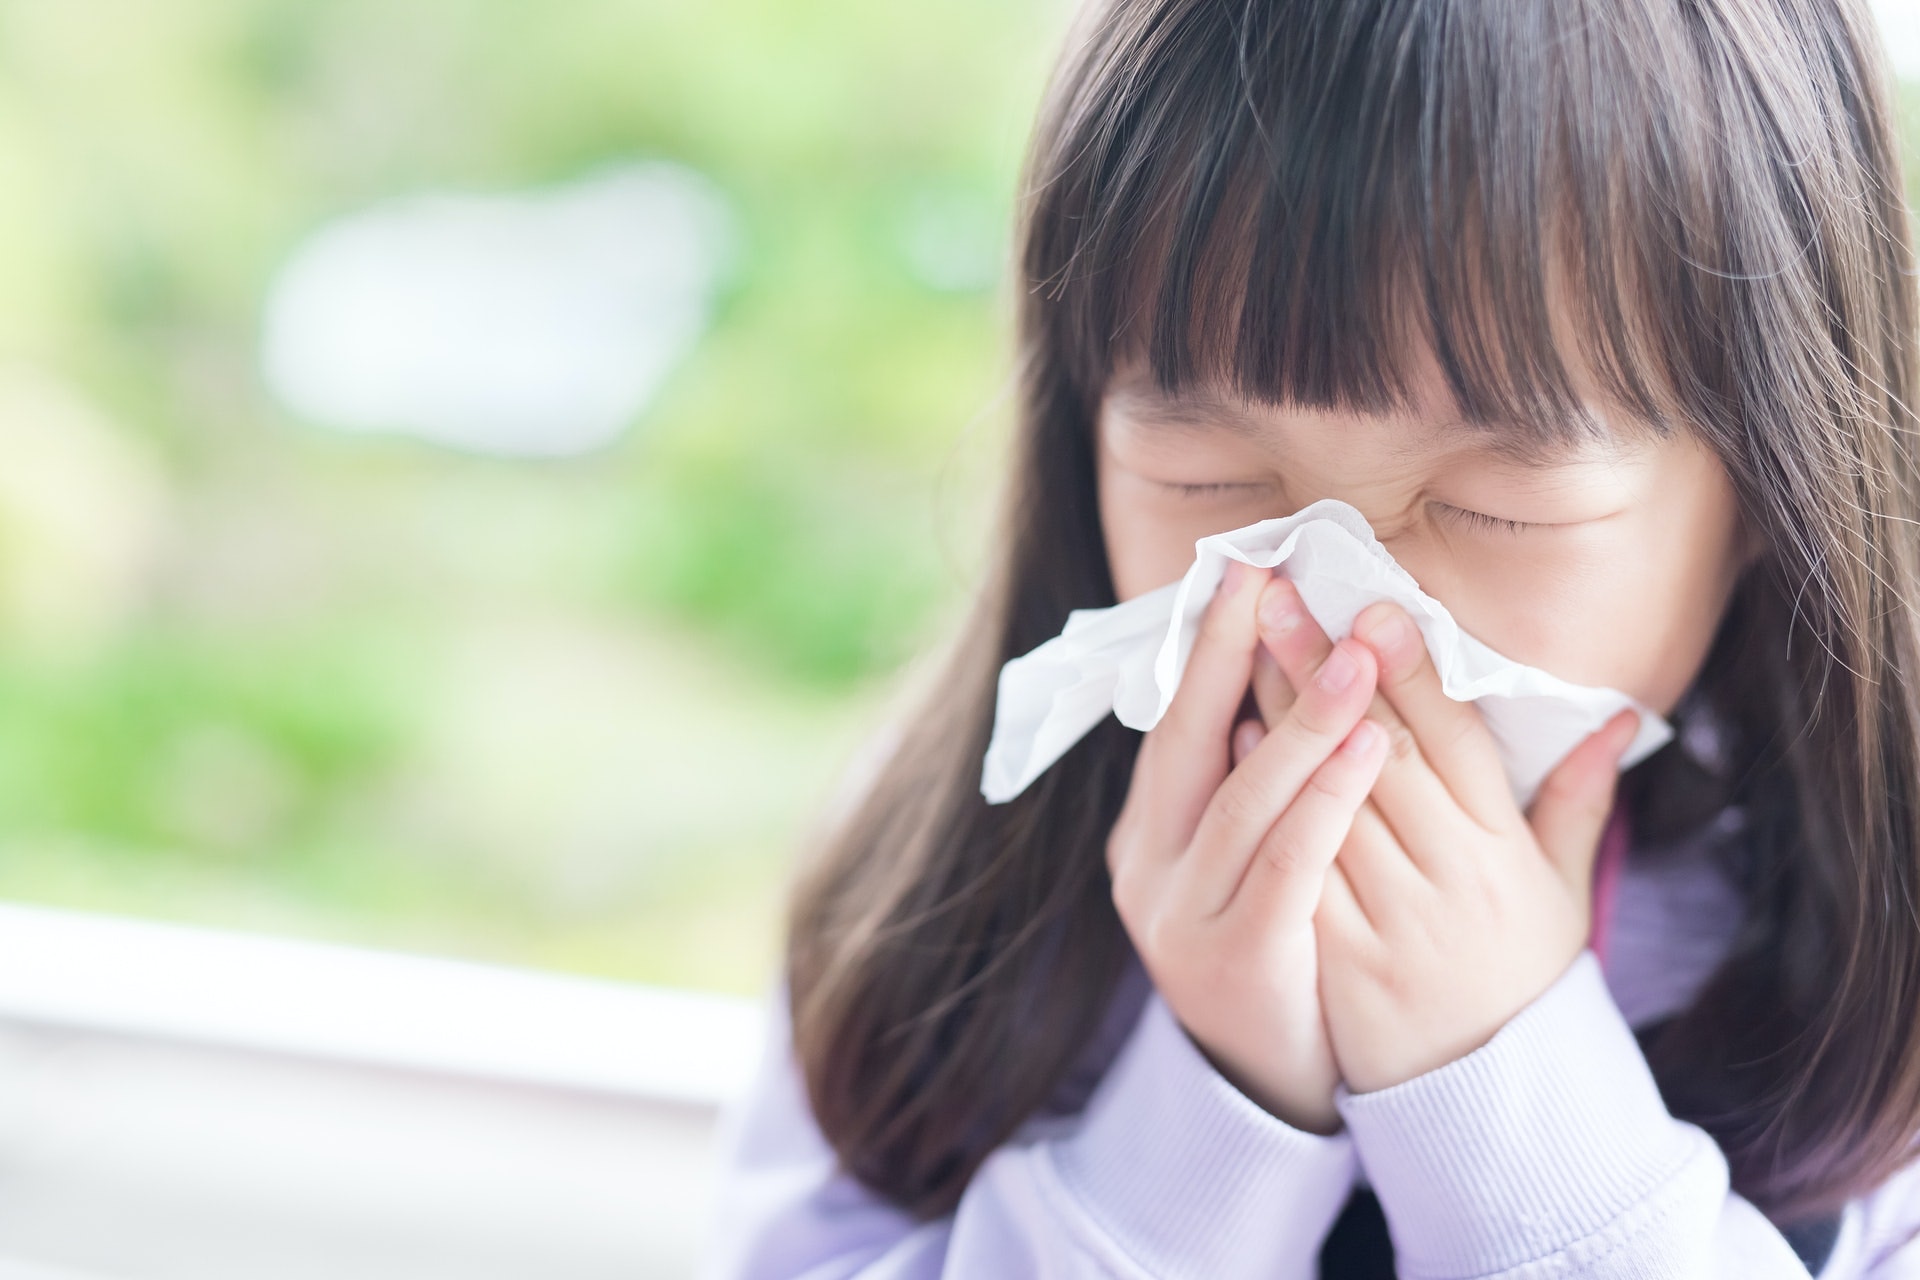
373	1008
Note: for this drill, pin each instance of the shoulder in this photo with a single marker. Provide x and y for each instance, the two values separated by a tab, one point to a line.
782	1202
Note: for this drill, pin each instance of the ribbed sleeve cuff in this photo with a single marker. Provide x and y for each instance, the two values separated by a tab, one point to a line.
1189	1176
1532	1142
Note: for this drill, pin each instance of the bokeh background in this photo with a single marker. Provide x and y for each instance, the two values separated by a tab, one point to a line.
479	469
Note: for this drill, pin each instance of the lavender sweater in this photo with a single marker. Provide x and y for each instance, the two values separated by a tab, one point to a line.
1547	1152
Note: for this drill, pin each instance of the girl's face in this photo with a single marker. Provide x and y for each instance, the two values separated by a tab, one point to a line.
1621	564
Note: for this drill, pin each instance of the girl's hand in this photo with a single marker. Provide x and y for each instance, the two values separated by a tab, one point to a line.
1448	910
1217	866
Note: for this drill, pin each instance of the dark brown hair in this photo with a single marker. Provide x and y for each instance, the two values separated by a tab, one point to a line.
1284	196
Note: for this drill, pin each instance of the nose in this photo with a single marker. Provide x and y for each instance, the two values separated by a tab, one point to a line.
1411	544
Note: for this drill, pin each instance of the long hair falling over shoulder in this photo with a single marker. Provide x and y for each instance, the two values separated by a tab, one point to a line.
1284	196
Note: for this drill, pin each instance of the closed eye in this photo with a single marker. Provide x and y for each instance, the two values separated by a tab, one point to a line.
1201	490
1483	521
1474	518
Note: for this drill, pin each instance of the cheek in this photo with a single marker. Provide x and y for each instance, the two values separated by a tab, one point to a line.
1654	612
1142	551
1658	623
1542	614
1637	613
1149	536
1643	630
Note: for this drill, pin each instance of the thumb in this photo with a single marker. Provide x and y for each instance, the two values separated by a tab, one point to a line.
1570	810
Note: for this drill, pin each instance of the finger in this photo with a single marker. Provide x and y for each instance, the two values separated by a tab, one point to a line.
1339	917
1282	880
1289	632
1256	793
1570	810
1377	868
1184	757
1453	739
1271	691
1407	787
1246	736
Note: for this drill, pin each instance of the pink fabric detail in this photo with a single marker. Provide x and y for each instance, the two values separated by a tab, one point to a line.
1607	865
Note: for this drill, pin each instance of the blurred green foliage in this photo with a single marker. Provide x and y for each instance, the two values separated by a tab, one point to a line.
568	713
571	713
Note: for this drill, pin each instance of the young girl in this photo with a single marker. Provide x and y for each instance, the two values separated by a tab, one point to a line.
1602	312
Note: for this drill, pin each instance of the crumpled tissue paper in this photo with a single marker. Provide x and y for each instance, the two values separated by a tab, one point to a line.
1128	659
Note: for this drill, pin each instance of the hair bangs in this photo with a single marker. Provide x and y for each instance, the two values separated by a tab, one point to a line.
1307	209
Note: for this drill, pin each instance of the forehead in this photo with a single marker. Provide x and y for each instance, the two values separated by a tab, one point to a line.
1198	411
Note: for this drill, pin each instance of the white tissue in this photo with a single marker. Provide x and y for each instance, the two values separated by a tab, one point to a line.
1128	659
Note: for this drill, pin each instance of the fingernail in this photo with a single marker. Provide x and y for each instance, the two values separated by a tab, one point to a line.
1389	633
1279	611
1338	671
1631	730
1360	741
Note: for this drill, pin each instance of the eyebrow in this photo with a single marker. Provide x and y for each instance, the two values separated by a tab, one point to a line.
1521	443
